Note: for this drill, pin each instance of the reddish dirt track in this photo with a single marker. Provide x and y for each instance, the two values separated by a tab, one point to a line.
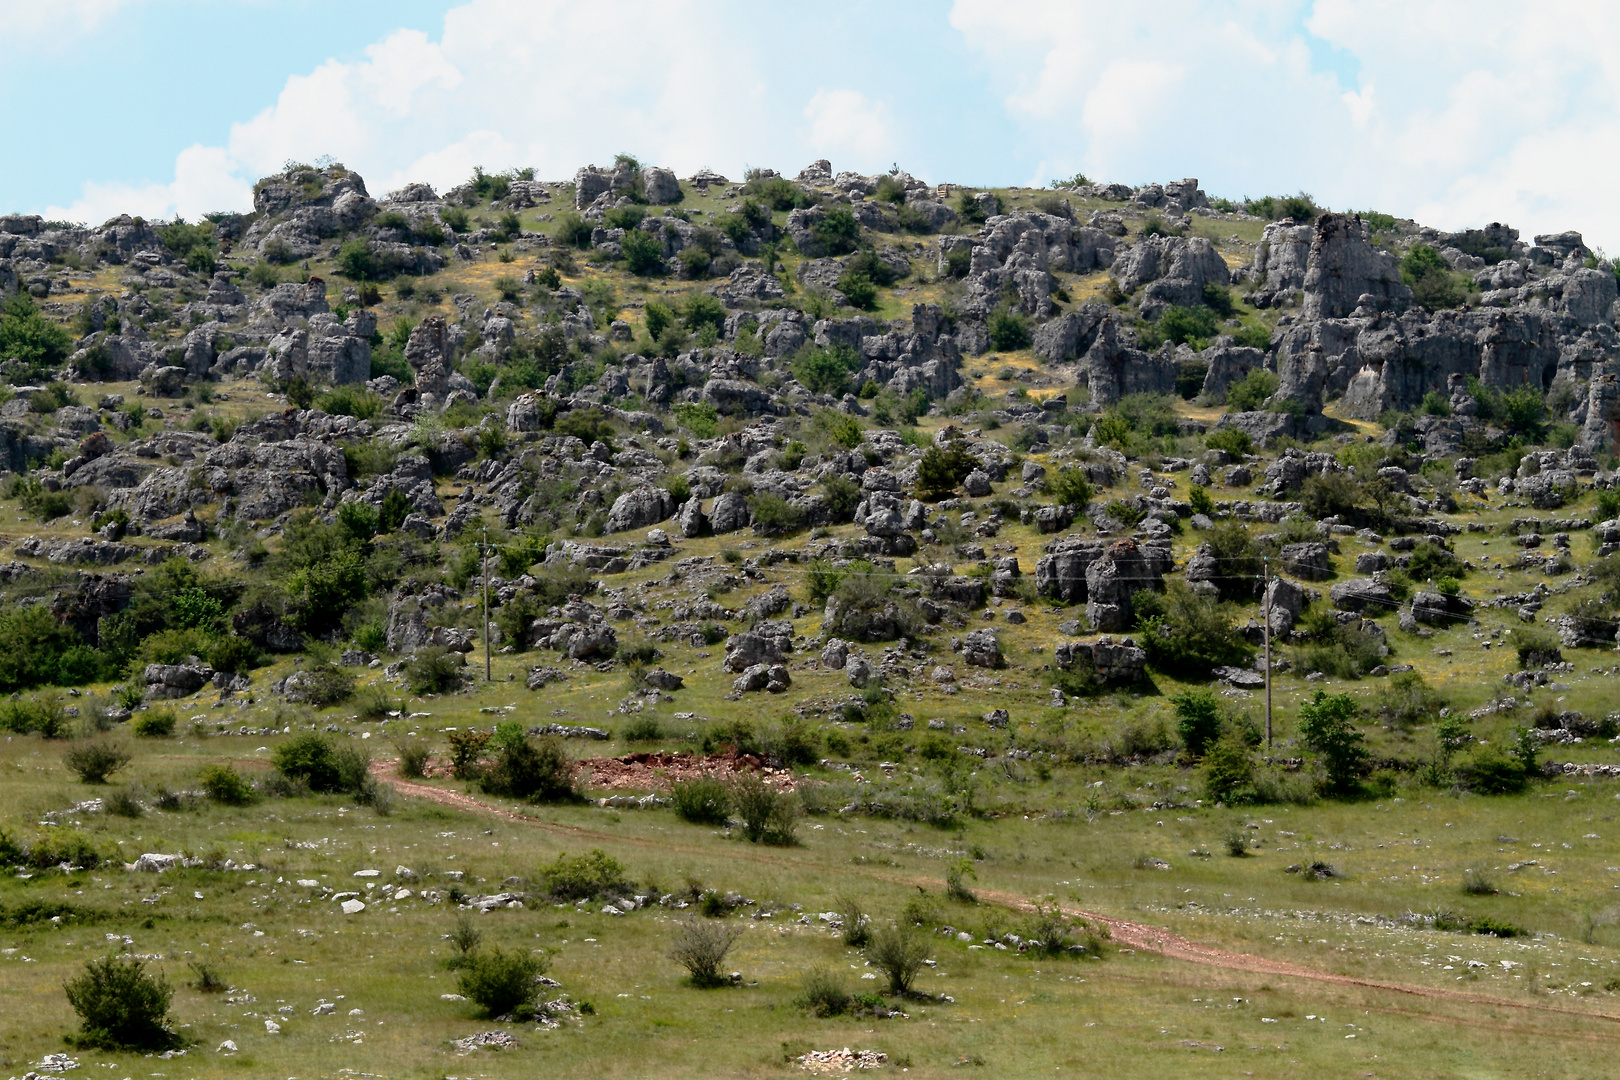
1124	932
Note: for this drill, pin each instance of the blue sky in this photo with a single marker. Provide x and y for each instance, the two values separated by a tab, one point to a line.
1454	113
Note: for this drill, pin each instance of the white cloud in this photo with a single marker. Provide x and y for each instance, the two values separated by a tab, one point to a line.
1459	113
54	18
205	179
844	123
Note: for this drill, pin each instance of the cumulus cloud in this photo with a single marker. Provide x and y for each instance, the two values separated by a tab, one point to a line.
844	123
1456	113
54	20
205	179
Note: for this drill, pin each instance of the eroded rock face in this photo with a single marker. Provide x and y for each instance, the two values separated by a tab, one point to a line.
1344	266
1113	663
981	648
1125	567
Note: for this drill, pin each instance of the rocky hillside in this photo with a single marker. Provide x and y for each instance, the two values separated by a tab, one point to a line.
310	419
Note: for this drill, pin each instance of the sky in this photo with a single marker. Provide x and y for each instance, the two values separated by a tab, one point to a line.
1453	113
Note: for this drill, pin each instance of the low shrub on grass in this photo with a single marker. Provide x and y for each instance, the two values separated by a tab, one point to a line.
121	1006
154	724
824	993
95	760
502	983
413	757
701	800
768	816
701	947
855	925
225	785
537	770
582	877
899	952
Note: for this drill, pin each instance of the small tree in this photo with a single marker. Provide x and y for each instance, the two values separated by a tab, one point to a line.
941	469
121	1007
1229	770
502	983
1070	486
768	815
701	800
899	952
1198	719
94	761
534	769
701	947
1327	728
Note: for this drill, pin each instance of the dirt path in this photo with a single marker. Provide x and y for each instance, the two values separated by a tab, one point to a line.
1125	932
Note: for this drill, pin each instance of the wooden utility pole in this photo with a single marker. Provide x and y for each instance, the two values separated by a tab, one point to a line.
484	577
1265	617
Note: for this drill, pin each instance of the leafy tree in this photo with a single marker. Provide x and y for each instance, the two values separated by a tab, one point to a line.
25	334
121	1007
1430	278
700	310
1327	728
942	469
643	252
1186	634
1249	393
826	371
1070	486
1199	718
837	231
1009	331
858	289
1187	325
1228	771
572	229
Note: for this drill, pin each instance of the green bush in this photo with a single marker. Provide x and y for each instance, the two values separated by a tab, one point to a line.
826	371
1407	701
643	252
95	760
121	1006
537	770
1301	207
573	230
1186	634
1228	770
1070	486
773	515
414	755
433	671
701	947
700	418
858	289
45	716
942	469
1193	326
768	816
824	993
1431	279
1253	336
1009	331
837	232
225	785
324	765
1234	441
502	983
582	877
1249	393
701	800
1199	719
356	261
26	335
1327	729
1536	647
154	724
899	952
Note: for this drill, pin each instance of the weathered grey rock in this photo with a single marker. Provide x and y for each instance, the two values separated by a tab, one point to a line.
1284	601
749	648
691	519
1437	609
1361	594
165	681
1344	266
834	654
1123	568
729	513
858	671
427	351
640	508
1309	561
977	484
163	381
660	186
1060	574
1113	662
981	648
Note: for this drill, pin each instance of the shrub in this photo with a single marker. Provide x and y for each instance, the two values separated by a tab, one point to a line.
1188	634
701	800
1187	325
534	769
466	751
941	469
1430	278
837	231
1536	647
701	947
1249	393
1070	486
956	881
1490	772
858	289
582	877
1009	331
824	993
232	653
1052	933
1477	883
464	938
768	816
46	716
1300	207
826	371
433	671
1236	842
502	983
413	757
1234	441
313	759
92	762
26	335
900	953
773	515
1228	772
1327	729
856	927
207	978
120	1006
1199	719
643	252
125	802
1406	701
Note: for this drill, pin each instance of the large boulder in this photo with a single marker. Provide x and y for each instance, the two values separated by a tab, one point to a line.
1283	602
1362	594
748	649
1113	663
1124	568
1309	561
1060	574
640	508
1344	266
982	649
164	681
729	513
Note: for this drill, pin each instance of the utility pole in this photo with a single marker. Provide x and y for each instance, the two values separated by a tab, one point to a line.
1265	618
484	577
